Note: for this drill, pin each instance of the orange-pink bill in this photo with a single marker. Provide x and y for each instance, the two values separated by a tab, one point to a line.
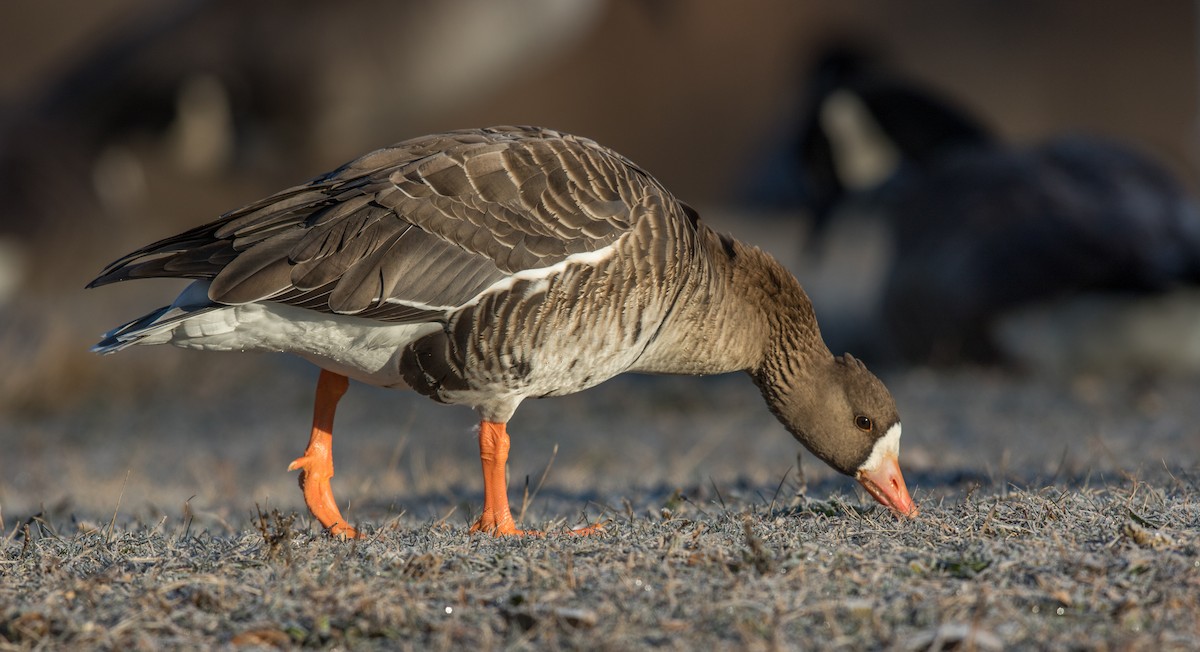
885	483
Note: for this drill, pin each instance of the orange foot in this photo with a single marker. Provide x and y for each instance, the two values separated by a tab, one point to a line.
496	518
316	465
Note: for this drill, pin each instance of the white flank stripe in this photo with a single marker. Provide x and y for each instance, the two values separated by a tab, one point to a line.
887	446
540	273
418	305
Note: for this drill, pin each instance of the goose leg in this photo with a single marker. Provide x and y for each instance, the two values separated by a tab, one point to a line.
316	465
496	518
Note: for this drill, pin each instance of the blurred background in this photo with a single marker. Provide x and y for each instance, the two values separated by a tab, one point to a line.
125	121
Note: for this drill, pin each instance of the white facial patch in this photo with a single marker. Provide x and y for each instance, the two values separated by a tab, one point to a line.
886	446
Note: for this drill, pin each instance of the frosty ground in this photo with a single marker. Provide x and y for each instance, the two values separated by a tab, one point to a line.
1054	513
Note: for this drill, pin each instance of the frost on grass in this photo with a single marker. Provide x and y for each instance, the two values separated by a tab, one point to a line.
1098	565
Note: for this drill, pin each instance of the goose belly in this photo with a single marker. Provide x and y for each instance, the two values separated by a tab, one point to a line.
495	379
542	337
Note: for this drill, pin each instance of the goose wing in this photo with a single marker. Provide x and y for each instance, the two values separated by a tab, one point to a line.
410	231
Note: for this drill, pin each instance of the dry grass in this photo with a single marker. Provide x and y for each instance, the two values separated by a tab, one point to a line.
1053	516
1114	566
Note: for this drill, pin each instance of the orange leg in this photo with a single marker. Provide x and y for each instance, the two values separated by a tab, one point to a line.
316	465
496	518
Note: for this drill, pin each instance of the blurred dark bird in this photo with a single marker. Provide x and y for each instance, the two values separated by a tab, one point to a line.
484	267
982	230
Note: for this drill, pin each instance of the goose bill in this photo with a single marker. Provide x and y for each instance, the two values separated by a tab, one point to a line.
885	483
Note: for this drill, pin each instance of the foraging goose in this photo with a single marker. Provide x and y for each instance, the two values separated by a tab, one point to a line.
483	267
982	230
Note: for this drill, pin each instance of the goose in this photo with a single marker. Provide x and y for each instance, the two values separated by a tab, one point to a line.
482	267
983	231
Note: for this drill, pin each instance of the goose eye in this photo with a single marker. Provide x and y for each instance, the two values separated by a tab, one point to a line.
863	423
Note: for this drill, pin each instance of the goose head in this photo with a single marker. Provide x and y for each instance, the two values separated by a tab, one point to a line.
845	416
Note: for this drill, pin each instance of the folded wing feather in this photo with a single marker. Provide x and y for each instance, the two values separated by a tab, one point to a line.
410	231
